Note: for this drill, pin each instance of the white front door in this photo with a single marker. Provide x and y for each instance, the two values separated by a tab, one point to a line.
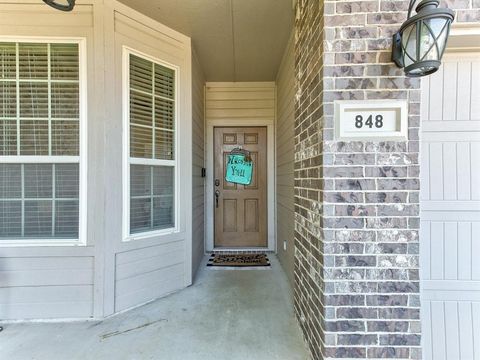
450	209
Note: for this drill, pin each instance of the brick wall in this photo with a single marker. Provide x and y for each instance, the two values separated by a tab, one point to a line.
308	261
356	203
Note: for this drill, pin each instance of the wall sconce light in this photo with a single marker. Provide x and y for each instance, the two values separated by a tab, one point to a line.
64	5
419	44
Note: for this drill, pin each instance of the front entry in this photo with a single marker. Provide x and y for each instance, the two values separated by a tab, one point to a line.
240	210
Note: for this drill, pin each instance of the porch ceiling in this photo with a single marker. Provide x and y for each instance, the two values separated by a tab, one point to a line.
235	40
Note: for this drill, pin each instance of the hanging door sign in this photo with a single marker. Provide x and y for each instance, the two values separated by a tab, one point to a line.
239	167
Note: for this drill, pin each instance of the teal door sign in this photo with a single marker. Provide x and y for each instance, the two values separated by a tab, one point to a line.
239	168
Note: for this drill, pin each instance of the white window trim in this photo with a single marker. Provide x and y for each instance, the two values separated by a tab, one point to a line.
81	159
126	236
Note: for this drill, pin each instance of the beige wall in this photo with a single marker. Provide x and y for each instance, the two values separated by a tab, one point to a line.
284	159
243	101
198	159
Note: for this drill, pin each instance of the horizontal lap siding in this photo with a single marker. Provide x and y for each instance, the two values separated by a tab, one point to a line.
240	101
285	159
198	114
152	266
46	287
148	273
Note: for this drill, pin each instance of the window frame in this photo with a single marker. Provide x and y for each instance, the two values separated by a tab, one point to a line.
126	163
81	159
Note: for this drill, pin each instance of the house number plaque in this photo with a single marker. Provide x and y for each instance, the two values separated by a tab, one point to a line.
374	120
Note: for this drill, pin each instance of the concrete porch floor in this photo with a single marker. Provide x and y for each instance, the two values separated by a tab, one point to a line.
226	314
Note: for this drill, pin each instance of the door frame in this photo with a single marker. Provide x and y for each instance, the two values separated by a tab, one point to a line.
209	203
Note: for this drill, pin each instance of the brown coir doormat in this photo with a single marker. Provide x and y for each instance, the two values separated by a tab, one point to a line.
238	260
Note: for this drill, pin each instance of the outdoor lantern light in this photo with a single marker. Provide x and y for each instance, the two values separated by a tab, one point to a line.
419	44
64	5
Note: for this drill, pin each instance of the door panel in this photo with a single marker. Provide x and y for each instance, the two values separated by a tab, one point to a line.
241	213
450	211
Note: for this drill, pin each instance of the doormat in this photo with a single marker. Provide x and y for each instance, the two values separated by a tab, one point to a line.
239	260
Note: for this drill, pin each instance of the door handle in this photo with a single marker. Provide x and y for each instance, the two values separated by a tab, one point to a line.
217	195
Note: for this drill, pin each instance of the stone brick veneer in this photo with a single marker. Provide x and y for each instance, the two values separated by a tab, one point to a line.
356	203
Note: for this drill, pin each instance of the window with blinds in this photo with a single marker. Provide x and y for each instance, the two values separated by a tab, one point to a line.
152	145
39	140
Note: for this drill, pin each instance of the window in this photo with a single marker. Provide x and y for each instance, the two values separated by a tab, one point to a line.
151	157
39	141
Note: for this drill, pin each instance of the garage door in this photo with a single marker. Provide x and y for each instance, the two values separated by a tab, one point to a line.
450	209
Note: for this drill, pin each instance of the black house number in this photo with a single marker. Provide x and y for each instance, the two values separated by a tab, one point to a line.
369	122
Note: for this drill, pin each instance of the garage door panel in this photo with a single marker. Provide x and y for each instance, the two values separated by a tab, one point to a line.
456	84
425	171
464	98
465	330
475	86
464	177
450	210
448	171
465	251
436	92
437	252
475	169
449	155
451	322
450	249
436	171
449	91
476	252
448	331
450	230
438	330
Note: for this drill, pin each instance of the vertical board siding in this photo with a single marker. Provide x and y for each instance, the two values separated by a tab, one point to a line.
285	149
450	226
198	138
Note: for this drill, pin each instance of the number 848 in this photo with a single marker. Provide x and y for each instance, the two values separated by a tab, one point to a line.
369	122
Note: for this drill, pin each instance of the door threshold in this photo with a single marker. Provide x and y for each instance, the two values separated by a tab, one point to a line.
241	250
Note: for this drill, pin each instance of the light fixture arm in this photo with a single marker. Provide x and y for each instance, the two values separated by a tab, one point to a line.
410	8
62	7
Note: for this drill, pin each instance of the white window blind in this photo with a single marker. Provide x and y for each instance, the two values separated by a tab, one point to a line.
39	129
152	134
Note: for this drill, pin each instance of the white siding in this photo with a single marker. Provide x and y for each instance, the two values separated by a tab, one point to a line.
450	210
285	159
198	158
